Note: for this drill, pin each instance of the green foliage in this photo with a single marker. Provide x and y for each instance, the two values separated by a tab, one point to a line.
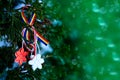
6	58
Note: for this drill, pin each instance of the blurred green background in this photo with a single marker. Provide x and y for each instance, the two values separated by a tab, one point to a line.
96	24
84	37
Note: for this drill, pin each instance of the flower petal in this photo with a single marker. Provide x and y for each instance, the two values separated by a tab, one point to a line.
34	67
40	66
41	61
31	62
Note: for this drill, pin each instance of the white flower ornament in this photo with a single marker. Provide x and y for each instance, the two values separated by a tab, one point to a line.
36	62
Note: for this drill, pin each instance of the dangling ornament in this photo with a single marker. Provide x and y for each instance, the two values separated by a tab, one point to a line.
36	62
21	56
29	48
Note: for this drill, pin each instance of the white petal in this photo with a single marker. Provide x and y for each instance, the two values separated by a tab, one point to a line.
31	62
40	67
34	67
41	60
38	56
